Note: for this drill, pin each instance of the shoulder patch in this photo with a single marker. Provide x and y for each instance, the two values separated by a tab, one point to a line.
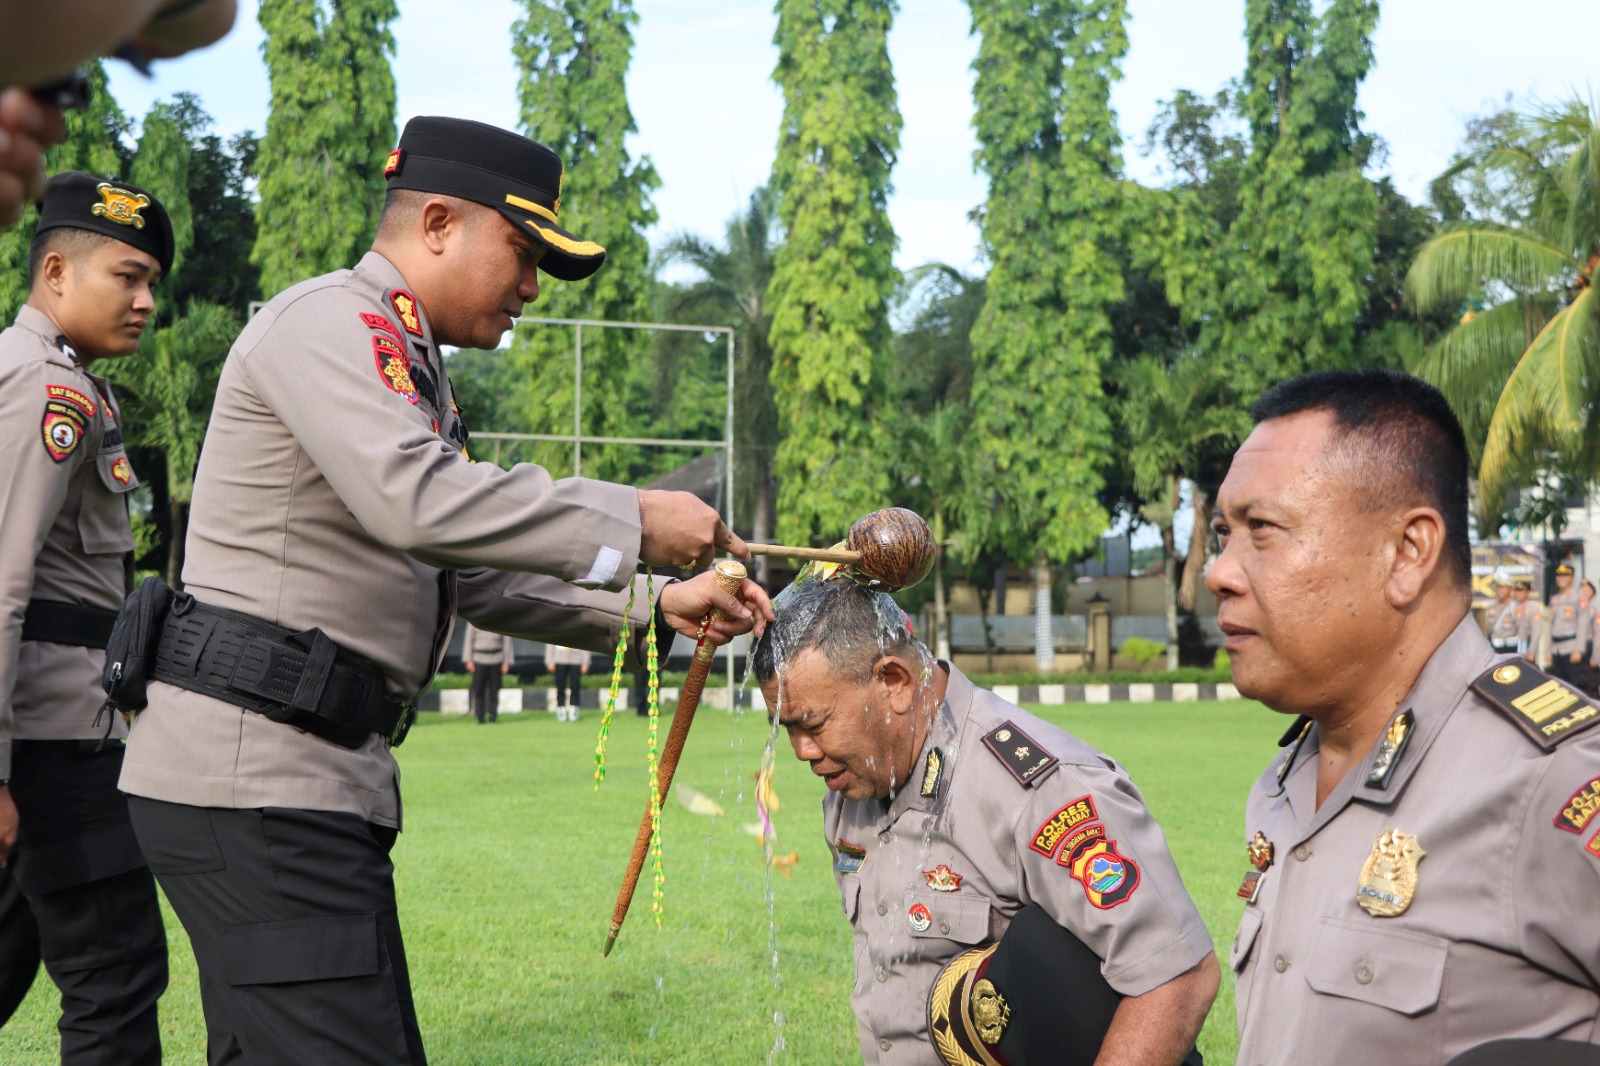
405	305
1048	837
1109	878
1547	710
1594	845
61	430
381	323
65	394
394	369
1580	808
1022	757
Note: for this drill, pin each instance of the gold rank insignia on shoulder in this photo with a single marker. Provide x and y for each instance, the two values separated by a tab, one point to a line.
120	205
1547	710
1389	876
931	772
1390	748
1019	753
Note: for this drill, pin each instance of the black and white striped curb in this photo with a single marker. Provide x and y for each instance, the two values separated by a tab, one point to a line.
517	700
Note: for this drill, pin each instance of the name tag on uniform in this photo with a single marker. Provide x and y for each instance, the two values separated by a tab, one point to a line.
847	857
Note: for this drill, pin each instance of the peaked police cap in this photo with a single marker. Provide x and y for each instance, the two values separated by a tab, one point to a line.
116	209
517	177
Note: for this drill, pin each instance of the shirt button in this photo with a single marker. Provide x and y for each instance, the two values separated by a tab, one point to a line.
880	973
883	1045
883	908
1363	972
1280	964
944	927
1302	853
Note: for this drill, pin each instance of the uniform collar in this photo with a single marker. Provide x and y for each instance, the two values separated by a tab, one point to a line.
1438	691
376	267
943	733
38	323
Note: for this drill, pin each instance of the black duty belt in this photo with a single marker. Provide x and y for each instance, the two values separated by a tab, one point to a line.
52	622
302	679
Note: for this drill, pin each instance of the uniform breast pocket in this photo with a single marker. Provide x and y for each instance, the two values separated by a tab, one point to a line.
1393	969
942	916
103	512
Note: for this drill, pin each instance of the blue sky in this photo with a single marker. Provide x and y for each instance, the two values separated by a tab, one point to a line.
708	112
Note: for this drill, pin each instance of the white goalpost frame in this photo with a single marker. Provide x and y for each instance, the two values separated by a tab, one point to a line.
577	438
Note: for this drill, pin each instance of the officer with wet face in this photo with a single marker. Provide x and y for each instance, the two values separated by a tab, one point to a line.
338	527
83	899
1011	896
1420	861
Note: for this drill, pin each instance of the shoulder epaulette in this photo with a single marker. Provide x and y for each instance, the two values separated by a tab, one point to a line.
1019	753
1548	710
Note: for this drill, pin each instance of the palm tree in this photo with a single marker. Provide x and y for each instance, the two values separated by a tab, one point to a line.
1523	368
732	288
1177	429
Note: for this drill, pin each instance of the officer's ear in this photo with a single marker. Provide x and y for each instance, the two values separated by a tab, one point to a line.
896	682
1419	550
440	219
52	272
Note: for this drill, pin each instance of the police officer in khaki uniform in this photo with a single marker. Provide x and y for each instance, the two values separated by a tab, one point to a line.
1505	628
950	812
1569	628
1421	861
338	526
487	656
1527	617
568	665
65	544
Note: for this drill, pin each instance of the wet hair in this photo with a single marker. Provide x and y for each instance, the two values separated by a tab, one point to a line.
850	625
67	240
1406	443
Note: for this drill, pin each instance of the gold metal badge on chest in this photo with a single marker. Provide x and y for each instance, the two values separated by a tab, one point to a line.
1389	876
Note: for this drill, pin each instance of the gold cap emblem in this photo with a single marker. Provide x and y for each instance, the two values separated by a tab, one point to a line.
120	205
990	1012
1389	876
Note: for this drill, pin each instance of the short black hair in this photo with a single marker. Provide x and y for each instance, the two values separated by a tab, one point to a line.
851	625
1406	437
64	239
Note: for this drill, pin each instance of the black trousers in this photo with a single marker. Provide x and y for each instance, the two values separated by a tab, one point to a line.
484	695
639	691
19	947
82	880
567	685
292	917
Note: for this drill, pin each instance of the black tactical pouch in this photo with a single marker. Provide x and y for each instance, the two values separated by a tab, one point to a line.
131	651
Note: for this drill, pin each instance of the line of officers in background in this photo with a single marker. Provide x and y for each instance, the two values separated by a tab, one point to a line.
1560	633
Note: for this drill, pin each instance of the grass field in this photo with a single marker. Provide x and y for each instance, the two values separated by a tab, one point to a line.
509	863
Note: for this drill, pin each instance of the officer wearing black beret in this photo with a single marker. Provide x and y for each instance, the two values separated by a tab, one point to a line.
337	528
65	552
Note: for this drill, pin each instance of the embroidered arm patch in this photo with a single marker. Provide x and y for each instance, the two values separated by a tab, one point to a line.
1546	709
66	419
1022	757
1580	808
394	368
1048	837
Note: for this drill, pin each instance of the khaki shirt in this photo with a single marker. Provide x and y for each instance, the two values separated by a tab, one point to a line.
1505	627
1569	623
64	531
332	492
555	655
485	646
1527	613
983	826
1501	938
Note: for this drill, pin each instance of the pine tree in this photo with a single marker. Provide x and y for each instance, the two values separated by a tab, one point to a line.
329	130
1049	144
93	143
573	56
835	274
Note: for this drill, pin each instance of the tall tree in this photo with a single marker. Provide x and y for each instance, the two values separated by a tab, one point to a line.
1048	141
732	289
94	143
161	165
1522	362
573	58
835	273
1290	284
329	130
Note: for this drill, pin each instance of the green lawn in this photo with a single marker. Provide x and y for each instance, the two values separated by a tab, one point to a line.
509	863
